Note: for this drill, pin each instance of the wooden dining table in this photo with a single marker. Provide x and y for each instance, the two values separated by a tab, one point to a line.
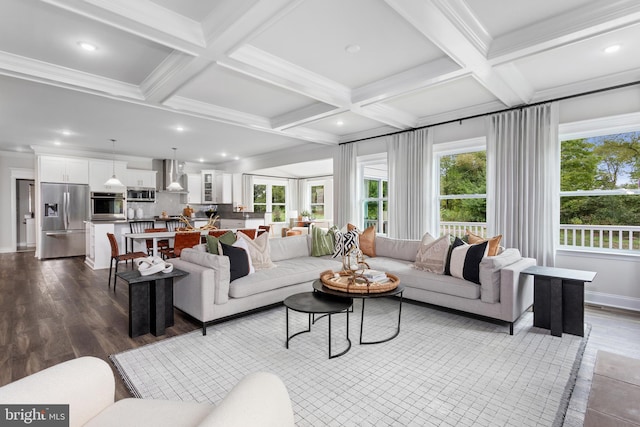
156	236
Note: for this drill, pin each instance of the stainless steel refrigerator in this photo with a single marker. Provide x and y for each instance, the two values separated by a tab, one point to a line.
65	207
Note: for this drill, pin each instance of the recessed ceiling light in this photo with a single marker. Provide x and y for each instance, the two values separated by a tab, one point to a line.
57	143
66	132
201	160
88	46
612	48
223	154
179	128
352	49
236	158
339	122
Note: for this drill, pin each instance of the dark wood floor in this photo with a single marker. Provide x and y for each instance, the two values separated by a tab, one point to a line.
56	310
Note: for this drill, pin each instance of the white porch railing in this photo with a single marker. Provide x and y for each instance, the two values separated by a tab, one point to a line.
619	237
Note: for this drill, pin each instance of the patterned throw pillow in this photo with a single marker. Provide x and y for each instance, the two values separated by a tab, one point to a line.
322	243
465	261
345	241
432	255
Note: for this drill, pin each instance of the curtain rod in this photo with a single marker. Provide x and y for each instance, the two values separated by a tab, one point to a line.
517	107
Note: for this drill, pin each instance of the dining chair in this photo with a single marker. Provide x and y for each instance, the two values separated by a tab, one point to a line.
117	257
218	233
137	227
249	232
162	244
186	239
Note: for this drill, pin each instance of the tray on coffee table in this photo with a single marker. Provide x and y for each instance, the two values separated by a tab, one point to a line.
341	281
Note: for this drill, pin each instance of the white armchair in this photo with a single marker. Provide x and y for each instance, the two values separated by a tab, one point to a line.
88	386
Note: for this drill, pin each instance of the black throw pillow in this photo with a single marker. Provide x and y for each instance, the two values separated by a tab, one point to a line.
447	267
238	260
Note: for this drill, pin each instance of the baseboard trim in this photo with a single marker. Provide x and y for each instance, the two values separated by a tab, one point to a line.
610	300
7	250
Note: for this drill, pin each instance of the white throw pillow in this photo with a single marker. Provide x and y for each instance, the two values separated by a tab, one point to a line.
242	243
432	254
258	250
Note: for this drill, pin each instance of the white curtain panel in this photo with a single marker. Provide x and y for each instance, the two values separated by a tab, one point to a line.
523	180
345	186
411	194
247	191
293	196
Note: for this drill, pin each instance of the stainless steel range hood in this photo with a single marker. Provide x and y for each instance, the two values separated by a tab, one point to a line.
163	167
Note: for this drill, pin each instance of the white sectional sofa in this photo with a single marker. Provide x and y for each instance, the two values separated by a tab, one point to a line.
207	295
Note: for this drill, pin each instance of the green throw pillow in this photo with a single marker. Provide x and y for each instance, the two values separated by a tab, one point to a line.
227	238
322	243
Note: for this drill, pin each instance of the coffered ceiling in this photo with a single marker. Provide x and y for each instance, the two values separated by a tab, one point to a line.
247	78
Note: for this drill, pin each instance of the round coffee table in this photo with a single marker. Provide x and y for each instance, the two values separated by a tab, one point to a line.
319	287
317	303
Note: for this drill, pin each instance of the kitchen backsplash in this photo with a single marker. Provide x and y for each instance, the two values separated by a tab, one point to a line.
170	202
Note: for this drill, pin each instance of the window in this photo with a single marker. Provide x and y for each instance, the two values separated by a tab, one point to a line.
600	192
462	192
317	201
270	196
375	204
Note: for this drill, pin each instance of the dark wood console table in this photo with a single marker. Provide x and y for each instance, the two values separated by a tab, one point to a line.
558	299
150	301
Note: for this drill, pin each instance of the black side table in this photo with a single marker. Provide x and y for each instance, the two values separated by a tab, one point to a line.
150	301
317	303
558	299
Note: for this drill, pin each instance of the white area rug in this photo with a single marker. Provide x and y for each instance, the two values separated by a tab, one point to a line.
443	369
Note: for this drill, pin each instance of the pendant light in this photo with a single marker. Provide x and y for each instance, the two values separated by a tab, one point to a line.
175	185
113	181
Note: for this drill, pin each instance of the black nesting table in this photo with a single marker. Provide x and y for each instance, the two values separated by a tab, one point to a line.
558	298
318	286
150	301
314	303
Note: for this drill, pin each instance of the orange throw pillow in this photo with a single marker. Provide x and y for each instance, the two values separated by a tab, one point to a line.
367	240
494	242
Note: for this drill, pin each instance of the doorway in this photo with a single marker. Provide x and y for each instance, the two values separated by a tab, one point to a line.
25	215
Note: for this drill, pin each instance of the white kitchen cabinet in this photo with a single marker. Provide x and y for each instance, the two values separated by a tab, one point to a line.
63	169
102	170
217	187
194	186
138	178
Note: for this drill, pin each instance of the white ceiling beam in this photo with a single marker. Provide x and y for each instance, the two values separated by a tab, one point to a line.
51	74
142	18
429	18
259	64
570	27
304	115
417	78
215	112
388	115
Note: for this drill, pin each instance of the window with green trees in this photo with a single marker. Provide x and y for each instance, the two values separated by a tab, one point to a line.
463	187
600	185
375	204
317	201
270	197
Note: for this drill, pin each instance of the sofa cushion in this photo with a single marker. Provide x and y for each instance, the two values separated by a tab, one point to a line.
367	241
289	247
152	412
412	277
228	238
465	261
494	242
288	272
258	250
432	256
397	248
490	267
322	242
238	261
